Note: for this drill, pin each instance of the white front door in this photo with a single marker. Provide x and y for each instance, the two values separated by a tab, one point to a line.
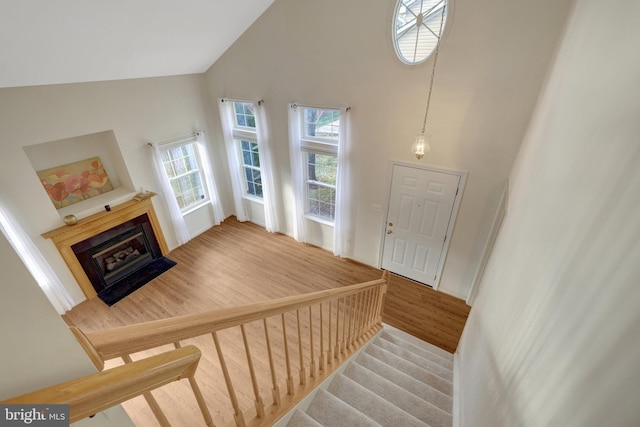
420	208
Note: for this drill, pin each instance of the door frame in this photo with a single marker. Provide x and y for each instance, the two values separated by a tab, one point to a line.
454	210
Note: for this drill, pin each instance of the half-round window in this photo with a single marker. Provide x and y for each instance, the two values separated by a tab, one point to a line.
417	27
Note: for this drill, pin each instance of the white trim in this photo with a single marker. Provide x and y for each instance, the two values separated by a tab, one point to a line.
498	217
454	210
456	410
443	33
174	142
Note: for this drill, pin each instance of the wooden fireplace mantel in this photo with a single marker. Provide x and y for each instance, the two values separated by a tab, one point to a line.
66	236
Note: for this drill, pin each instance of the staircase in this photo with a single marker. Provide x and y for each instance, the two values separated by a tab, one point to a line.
396	380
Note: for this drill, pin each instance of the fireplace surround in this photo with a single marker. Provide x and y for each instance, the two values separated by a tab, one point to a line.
111	242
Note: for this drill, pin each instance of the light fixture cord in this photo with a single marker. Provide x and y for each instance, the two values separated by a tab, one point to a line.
433	71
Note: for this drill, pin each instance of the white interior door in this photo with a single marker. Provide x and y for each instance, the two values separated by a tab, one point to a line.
420	208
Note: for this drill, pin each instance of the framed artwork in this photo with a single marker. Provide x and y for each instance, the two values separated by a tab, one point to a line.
75	182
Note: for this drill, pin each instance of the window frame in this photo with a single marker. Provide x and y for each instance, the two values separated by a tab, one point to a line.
435	12
165	148
321	146
249	134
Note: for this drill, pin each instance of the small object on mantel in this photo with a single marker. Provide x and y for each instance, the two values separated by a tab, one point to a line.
70	220
144	195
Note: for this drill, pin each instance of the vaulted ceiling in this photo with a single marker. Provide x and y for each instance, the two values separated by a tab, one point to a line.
66	41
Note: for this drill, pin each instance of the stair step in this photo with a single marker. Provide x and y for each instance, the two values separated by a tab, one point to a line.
427	352
407	382
403	399
417	342
412	357
301	419
372	405
328	410
411	369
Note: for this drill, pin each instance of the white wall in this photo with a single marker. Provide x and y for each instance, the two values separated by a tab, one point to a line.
137	111
337	53
38	350
553	337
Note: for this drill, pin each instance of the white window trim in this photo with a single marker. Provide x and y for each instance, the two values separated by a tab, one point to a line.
241	167
239	134
314	145
207	196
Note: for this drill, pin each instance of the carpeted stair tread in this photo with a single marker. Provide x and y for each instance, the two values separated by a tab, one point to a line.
390	330
372	405
328	410
426	352
405	381
410	368
403	399
301	419
412	357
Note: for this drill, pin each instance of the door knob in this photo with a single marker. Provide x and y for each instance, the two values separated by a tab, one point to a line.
390	224
389	231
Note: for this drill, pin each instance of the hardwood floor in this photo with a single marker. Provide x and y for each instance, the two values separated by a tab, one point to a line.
240	263
430	315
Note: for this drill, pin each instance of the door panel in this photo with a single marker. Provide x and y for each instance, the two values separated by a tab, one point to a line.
420	207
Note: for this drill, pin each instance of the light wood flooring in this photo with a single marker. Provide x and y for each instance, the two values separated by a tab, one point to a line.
240	263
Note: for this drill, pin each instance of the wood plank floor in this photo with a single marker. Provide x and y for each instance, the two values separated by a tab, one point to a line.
240	263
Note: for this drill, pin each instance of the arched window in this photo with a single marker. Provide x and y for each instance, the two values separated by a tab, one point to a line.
417	25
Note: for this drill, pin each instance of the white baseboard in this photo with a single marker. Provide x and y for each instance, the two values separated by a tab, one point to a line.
456	410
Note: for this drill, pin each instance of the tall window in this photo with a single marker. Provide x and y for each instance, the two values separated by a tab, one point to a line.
183	167
245	137
319	142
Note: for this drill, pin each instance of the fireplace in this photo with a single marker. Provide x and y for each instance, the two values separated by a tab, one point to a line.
114	252
113	255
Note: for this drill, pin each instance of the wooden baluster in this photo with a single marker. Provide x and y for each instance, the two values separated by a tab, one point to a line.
312	363
346	322
286	358
374	316
321	361
151	401
252	373
303	374
204	409
237	413
351	318
337	348
372	298
375	306
275	390
383	292
358	316
330	350
365	313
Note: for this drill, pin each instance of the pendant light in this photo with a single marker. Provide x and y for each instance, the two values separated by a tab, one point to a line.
421	144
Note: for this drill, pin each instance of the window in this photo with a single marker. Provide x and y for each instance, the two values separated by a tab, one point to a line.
320	137
182	165
245	137
417	26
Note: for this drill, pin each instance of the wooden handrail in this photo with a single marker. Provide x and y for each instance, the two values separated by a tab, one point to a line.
356	318
94	393
125	340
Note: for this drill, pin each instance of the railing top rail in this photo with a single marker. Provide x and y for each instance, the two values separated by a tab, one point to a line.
130	339
96	392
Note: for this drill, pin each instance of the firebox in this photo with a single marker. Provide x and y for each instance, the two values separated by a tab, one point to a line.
111	256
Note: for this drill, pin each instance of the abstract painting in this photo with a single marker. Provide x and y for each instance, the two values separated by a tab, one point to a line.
75	182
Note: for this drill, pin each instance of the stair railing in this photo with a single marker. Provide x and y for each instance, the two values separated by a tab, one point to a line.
327	326
91	394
